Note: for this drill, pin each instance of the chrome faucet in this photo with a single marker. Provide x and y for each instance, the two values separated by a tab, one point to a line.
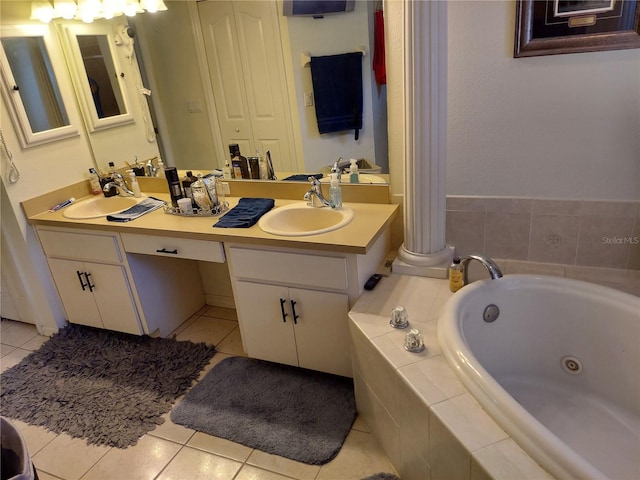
490	265
119	182
314	196
338	167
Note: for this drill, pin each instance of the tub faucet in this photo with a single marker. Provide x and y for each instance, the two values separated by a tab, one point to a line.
490	265
119	182
314	196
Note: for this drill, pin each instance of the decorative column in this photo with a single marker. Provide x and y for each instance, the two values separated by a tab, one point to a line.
424	252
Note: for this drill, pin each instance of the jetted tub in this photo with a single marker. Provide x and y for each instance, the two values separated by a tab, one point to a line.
558	369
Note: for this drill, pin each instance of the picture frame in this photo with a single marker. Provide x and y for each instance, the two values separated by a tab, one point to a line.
552	27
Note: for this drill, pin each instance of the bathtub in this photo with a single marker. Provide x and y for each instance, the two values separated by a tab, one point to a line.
558	369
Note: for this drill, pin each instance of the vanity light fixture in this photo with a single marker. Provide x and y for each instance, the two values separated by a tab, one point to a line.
90	10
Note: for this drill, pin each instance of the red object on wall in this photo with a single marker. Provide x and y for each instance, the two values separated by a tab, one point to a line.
379	66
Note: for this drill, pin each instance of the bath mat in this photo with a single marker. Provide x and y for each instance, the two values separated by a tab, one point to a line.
107	387
288	411
382	476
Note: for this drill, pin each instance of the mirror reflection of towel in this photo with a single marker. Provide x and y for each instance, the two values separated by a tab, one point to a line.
337	91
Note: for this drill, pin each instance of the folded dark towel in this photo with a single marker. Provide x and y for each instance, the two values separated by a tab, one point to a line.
337	92
145	206
246	213
303	177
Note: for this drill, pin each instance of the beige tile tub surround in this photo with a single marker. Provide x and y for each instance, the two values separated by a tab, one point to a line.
569	232
427	423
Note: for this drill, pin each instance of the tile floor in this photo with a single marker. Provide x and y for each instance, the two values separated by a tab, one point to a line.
173	452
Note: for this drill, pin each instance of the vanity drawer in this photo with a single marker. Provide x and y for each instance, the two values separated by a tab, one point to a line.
204	250
80	245
290	268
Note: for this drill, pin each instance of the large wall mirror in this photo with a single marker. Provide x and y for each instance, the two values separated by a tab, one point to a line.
31	87
181	52
97	75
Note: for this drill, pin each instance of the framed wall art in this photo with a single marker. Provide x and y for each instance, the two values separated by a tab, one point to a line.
550	27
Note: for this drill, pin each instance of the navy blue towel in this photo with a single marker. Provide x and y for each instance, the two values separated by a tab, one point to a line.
337	91
246	213
303	177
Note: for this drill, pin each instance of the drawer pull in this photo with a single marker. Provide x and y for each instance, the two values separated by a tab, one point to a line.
164	250
82	284
295	316
91	287
284	314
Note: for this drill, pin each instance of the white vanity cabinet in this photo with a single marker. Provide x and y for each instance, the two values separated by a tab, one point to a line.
90	274
293	304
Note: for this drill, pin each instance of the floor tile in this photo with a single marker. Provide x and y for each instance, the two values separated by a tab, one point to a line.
17	333
67	457
13	358
220	446
284	466
208	330
143	461
198	465
360	457
253	473
232	344
171	431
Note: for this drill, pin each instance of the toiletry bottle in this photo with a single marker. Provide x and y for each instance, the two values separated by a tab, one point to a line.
263	167
335	192
112	168
227	173
160	168
238	162
456	280
135	186
187	181
175	190
94	180
354	175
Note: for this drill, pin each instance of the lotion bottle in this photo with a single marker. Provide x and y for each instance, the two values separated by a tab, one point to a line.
335	193
456	280
135	186
354	175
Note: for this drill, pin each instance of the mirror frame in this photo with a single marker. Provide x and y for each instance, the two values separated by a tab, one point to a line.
26	135
79	75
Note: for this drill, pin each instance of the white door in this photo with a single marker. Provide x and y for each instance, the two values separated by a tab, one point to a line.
246	66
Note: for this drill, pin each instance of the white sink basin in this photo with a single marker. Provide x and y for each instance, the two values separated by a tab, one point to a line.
99	206
299	219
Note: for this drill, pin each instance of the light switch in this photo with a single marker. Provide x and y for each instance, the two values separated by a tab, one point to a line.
308	99
194	106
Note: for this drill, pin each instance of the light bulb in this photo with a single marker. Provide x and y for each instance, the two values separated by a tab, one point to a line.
65	9
42	11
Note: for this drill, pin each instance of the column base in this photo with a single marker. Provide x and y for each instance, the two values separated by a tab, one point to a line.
433	265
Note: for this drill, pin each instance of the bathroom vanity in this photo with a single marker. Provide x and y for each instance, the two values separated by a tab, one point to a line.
292	294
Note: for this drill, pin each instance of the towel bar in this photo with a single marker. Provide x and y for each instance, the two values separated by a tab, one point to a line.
305	57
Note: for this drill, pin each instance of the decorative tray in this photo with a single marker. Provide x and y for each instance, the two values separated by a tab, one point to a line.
198	212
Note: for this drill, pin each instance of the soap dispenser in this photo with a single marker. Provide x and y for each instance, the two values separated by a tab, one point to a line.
354	175
335	193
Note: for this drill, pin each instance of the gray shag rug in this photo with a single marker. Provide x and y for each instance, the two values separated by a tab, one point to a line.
107	387
288	411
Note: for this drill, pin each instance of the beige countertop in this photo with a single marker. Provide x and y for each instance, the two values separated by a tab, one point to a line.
356	237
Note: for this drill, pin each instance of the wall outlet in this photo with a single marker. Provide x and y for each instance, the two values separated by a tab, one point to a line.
553	239
224	188
194	106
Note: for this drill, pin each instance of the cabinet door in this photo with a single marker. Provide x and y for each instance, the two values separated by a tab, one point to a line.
78	303
322	330
113	297
265	333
